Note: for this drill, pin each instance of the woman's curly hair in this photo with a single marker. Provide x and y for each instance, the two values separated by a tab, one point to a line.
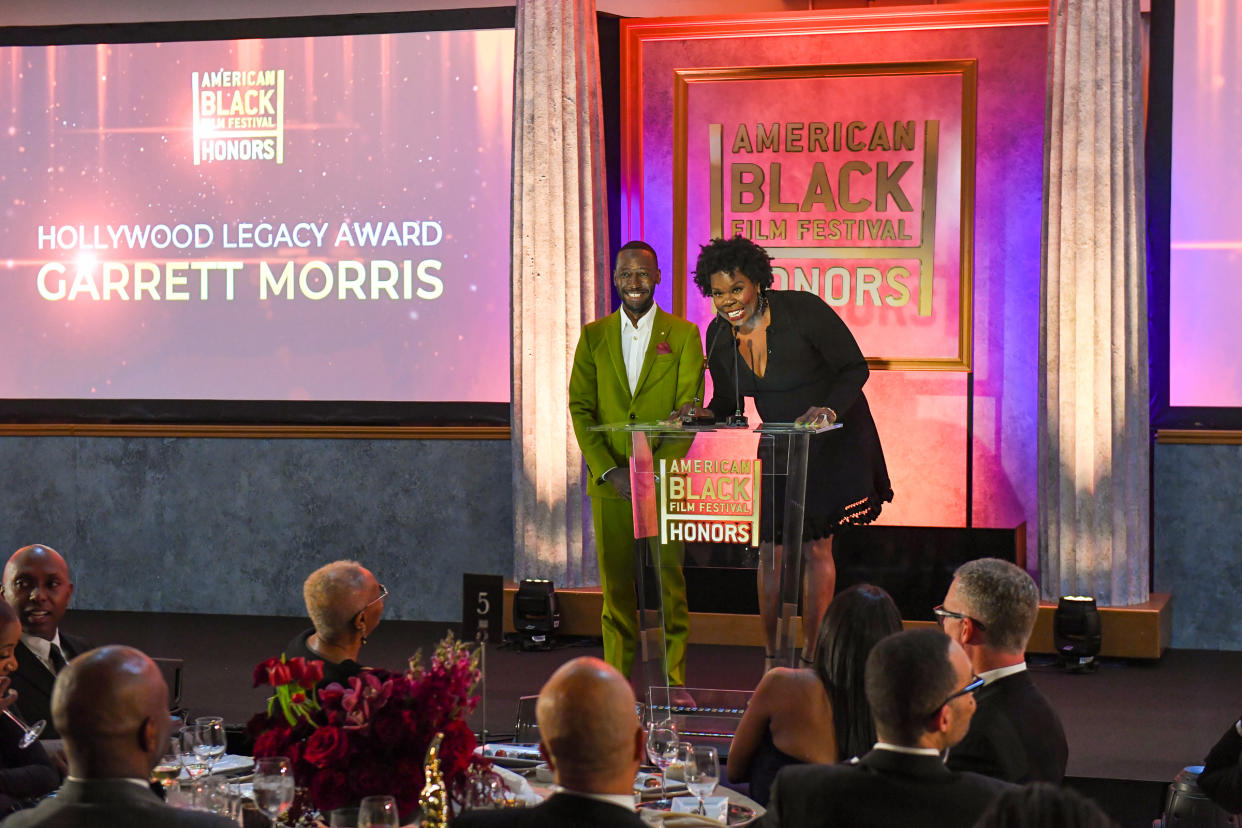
728	255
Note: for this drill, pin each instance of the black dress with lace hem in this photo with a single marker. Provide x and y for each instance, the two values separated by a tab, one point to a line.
813	360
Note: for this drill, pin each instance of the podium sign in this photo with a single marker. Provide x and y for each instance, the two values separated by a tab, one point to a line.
731	490
710	500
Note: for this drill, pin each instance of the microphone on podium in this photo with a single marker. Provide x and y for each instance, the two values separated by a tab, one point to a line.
737	419
707	418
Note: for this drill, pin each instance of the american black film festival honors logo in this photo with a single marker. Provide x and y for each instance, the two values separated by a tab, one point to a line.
239	115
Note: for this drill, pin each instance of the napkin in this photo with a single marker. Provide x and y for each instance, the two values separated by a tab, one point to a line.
517	785
716	807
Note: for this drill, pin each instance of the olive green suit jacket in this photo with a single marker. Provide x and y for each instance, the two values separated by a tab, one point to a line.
599	391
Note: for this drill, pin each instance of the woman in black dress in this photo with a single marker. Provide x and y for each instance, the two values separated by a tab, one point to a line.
800	363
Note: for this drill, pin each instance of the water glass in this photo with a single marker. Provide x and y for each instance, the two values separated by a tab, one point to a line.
273	785
378	812
701	771
183	743
210	739
662	749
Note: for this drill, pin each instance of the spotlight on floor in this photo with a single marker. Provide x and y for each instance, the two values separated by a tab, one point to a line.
535	613
1076	633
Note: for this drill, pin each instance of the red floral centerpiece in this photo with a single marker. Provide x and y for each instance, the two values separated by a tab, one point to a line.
370	737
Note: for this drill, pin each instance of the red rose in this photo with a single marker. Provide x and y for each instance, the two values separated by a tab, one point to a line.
278	674
298	698
313	674
263	670
330	696
326	745
271	742
330	790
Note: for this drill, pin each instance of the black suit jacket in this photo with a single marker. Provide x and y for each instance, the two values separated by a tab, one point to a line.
557	811
1221	779
33	682
882	789
105	803
1015	734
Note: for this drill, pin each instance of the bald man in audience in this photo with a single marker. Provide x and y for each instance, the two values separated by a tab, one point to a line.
38	587
111	708
344	602
919	686
1016	734
593	743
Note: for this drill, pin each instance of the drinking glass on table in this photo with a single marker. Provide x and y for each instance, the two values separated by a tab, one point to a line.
209	739
273	785
168	768
701	772
378	812
662	750
194	763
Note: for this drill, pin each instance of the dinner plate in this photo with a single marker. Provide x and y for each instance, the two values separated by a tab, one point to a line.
738	814
648	784
516	755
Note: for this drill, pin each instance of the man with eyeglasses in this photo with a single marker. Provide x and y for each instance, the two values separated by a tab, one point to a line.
1016	734
921	691
345	603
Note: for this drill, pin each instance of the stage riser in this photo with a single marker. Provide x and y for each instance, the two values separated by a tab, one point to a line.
1141	631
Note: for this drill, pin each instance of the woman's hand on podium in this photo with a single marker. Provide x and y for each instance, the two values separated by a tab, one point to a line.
817	416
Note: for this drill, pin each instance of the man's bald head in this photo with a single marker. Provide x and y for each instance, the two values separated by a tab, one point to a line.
38	587
335	594
589	728
111	707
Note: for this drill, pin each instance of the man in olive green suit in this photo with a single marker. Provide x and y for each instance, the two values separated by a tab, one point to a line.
638	364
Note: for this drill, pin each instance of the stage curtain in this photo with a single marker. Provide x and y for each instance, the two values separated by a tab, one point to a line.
1093	393
560	272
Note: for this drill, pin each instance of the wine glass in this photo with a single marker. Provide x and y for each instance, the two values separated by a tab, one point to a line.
168	768
209	739
273	785
662	750
378	812
701	772
183	743
29	732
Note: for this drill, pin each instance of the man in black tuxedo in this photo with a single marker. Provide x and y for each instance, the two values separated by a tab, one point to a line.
1016	735
1221	779
593	743
111	707
919	686
38	587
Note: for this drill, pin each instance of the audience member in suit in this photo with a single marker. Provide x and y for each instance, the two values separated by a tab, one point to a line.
1040	805
919	686
593	743
1016	735
819	714
1221	779
344	602
38	587
25	775
111	708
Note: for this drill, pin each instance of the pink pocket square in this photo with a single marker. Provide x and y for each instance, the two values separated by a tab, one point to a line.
663	348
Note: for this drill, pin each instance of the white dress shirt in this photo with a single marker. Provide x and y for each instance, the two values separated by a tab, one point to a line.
634	341
42	649
990	676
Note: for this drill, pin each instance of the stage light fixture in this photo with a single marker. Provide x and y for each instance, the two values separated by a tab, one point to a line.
535	613
1076	633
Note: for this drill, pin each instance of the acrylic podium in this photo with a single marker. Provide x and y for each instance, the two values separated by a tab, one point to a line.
722	486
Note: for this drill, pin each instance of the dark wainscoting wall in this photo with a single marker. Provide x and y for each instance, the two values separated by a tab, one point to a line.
1198	542
235	525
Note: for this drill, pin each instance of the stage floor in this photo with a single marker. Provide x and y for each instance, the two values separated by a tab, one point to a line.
1131	720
